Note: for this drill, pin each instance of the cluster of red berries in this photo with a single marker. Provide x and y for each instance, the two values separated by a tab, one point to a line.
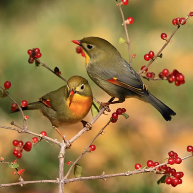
178	21
14	106
33	54
79	50
174	76
124	2
92	147
115	115
7	85
149	56
19	145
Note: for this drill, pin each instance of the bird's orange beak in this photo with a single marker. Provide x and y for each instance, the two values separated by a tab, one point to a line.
76	42
71	96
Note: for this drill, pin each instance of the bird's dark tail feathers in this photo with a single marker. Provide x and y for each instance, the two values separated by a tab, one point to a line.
161	107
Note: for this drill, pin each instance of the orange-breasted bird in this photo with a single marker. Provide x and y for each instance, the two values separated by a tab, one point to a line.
106	67
66	105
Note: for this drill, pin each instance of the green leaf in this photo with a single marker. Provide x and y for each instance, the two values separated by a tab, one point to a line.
77	170
125	115
95	109
121	41
16	165
162	179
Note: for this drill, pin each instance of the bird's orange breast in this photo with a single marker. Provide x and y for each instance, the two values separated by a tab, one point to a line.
80	106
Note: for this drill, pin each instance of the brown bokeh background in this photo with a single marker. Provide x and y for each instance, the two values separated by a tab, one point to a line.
51	25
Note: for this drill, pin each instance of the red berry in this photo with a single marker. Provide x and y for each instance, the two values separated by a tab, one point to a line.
168	180
27	146
123	110
30	60
174	21
143	68
168	170
190	148
36	50
175	155
175	72
182	21
24	103
35	140
7	85
38	55
164	167
165	72
146	57
119	111
182	82
19	155
113	120
177	83
20	144
171	153
125	2
173	172
15	152
26	117
151	54
114	115
180	181
137	166
29	51
13	106
155	164
181	174
43	133
174	182
161	75
178	160
149	163
178	175
191	14
163	36
68	162
180	77
15	142
150	75
92	147
171	161
78	49
129	20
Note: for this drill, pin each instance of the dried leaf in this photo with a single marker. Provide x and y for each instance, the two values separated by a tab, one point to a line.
77	171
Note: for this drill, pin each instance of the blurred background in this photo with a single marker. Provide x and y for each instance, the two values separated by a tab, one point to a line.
50	26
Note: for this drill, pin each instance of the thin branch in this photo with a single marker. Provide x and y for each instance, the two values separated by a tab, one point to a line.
126	32
86	150
163	47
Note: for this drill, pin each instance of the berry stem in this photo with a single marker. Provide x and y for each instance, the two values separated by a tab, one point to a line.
163	47
126	32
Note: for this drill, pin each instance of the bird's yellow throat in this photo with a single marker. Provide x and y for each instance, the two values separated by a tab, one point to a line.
87	58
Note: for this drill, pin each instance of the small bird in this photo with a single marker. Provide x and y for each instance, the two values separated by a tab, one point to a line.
66	105
106	67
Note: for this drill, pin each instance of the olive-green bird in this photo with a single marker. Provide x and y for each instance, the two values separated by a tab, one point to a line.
111	72
66	105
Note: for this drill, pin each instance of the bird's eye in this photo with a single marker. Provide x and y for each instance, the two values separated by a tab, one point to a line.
89	46
82	87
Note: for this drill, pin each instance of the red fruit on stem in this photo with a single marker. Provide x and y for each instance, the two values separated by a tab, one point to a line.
161	75
164	167
119	111
29	52
15	142
175	182
165	72
171	161
151	54
24	103
177	83
129	20
143	68
137	166
35	140
19	155
150	75
13	106
174	21
38	55
114	115
68	162
7	85
92	147
181	174
180	181
175	155
78	49
124	2
168	170
123	110
182	21
28	144
171	153
26	117
113	120
168	180
173	172
175	72
178	160
30	60
163	36
190	148
20	144
15	152
191	14
43	133
146	57
149	163
155	164
36	50
180	77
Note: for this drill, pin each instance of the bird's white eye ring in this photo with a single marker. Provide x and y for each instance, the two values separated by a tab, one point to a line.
82	87
89	46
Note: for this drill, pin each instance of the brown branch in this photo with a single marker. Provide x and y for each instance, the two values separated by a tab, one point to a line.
163	47
86	150
126	32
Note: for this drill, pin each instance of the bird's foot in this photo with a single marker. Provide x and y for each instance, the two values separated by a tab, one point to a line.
105	106
87	125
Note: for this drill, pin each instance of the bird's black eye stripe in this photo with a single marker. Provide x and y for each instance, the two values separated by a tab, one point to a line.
89	46
82	87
